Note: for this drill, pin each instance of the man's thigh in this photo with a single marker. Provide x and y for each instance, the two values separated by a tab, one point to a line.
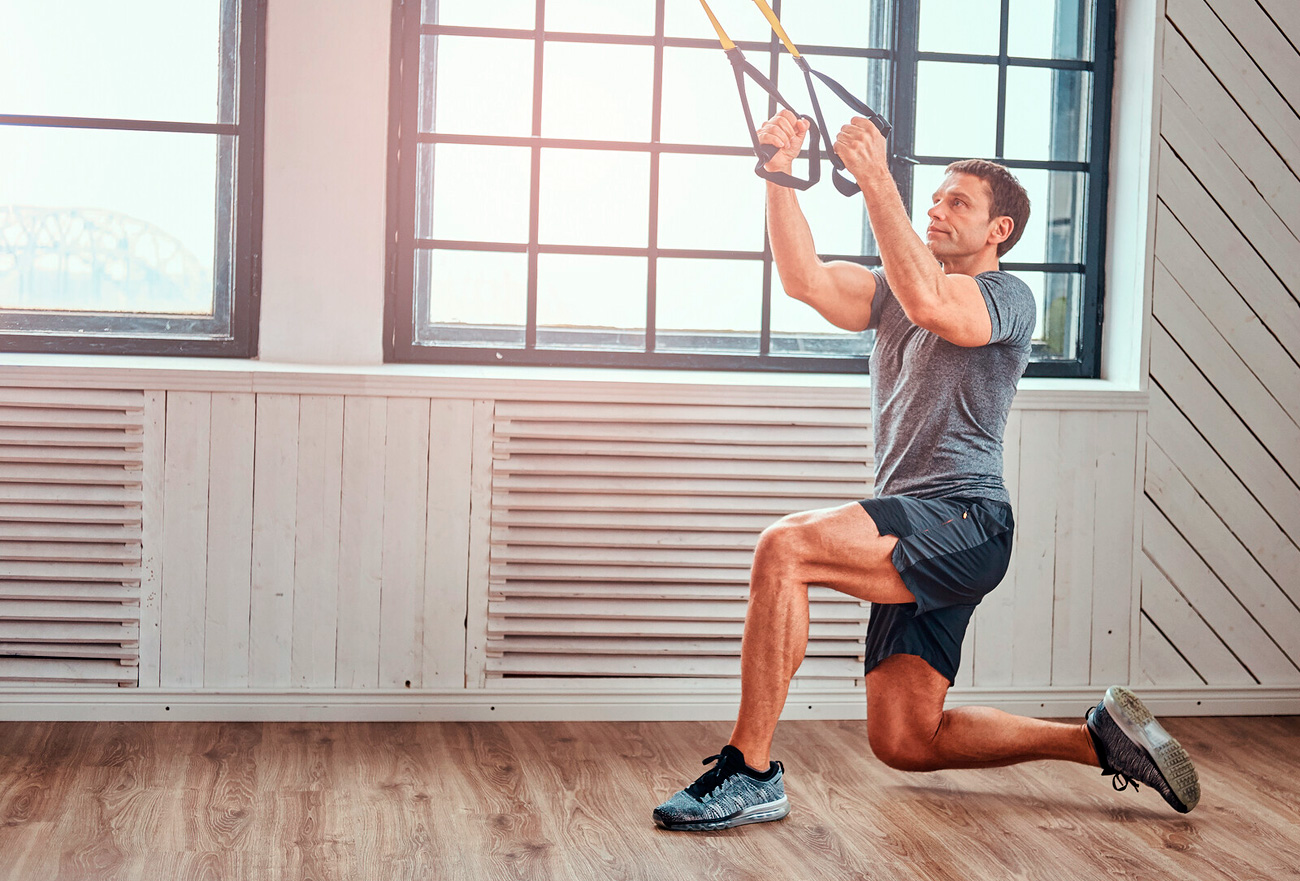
842	548
905	698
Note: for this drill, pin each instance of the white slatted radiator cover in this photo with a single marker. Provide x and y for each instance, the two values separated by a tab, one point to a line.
71	465
622	535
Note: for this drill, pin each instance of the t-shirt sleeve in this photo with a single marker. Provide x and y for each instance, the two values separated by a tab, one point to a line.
1011	307
880	299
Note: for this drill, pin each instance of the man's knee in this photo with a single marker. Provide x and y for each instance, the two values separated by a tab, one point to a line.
904	752
785	543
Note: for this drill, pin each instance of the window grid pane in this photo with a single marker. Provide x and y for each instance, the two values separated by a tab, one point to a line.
1037	115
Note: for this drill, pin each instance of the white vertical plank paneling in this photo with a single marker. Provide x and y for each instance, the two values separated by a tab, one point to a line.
361	542
185	534
1112	546
406	481
995	617
151	538
1035	559
447	543
230	541
480	543
275	493
316	540
1072	583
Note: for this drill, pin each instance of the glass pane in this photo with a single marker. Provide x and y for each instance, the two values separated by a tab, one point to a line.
968	27
111	221
597	92
857	24
149	59
1057	205
479	194
1048	114
709	306
838	223
864	78
1059	29
476	14
471	297
701	104
1060	302
956	109
739	18
710	202
600	17
798	329
591	302
481	86
595	197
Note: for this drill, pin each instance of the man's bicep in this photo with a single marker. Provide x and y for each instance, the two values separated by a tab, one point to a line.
960	314
853	289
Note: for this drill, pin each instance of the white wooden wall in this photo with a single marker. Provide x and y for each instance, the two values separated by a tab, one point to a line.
1220	568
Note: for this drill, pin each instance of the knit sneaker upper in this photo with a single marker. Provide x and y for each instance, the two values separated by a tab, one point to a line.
1134	748
728	794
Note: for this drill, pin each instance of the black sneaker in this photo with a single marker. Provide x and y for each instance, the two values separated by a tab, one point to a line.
728	794
1134	748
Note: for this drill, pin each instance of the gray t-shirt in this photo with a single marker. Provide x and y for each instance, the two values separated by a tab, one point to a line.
938	410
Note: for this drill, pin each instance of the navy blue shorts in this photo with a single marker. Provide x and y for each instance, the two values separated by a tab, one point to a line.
950	553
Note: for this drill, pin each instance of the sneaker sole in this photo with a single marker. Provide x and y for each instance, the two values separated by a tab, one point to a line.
1135	720
764	813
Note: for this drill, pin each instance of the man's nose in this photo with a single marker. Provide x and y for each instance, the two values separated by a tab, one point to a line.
933	212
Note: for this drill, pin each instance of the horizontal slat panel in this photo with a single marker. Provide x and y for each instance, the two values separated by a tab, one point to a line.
523	537
64	631
42	417
72	399
34	610
541	572
72	437
67	670
72	552
69	532
692	487
81	475
56	513
594	432
67	590
602	590
634	665
725	647
510	412
672	451
628	627
72	572
636	557
18	454
654	468
67	650
628	522
71	494
667	503
701	610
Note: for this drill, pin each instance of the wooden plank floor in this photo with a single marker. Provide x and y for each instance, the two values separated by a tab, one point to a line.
572	801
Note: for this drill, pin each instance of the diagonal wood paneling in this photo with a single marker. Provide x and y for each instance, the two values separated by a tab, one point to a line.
1221	524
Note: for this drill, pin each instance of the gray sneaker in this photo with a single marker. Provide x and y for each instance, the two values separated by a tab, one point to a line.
728	794
1135	748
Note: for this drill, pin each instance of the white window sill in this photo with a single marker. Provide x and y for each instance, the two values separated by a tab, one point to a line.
491	382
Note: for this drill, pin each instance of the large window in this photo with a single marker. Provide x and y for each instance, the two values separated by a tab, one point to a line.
572	183
130	197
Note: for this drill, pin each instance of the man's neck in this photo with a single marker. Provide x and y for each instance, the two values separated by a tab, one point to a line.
971	265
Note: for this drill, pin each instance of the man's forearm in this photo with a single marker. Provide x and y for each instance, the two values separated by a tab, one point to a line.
914	275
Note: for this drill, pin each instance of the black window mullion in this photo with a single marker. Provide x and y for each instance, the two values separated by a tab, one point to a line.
906	36
656	118
1099	157
1004	28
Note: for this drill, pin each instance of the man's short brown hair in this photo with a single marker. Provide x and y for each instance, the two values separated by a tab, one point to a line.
1009	197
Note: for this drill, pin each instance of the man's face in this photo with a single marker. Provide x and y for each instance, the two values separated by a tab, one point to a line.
959	218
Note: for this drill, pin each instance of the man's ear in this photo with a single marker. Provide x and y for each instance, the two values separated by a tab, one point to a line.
1000	229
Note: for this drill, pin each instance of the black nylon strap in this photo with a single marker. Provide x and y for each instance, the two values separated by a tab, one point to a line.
845	184
765	152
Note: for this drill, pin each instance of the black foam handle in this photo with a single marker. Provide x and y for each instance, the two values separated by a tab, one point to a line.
765	152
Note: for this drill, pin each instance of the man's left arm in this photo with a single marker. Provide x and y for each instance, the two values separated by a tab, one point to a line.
950	306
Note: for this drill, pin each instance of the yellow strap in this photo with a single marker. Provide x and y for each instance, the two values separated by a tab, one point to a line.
776	26
722	35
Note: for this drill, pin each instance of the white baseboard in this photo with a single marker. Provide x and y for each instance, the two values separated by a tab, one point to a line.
606	703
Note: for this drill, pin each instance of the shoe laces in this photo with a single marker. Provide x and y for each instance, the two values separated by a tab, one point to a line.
1120	782
712	778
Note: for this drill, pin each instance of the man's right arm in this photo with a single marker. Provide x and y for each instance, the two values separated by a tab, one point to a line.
841	291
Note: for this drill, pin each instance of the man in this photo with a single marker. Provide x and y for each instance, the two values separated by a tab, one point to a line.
953	338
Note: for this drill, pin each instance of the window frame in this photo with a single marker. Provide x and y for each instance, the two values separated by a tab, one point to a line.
400	302
240	172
